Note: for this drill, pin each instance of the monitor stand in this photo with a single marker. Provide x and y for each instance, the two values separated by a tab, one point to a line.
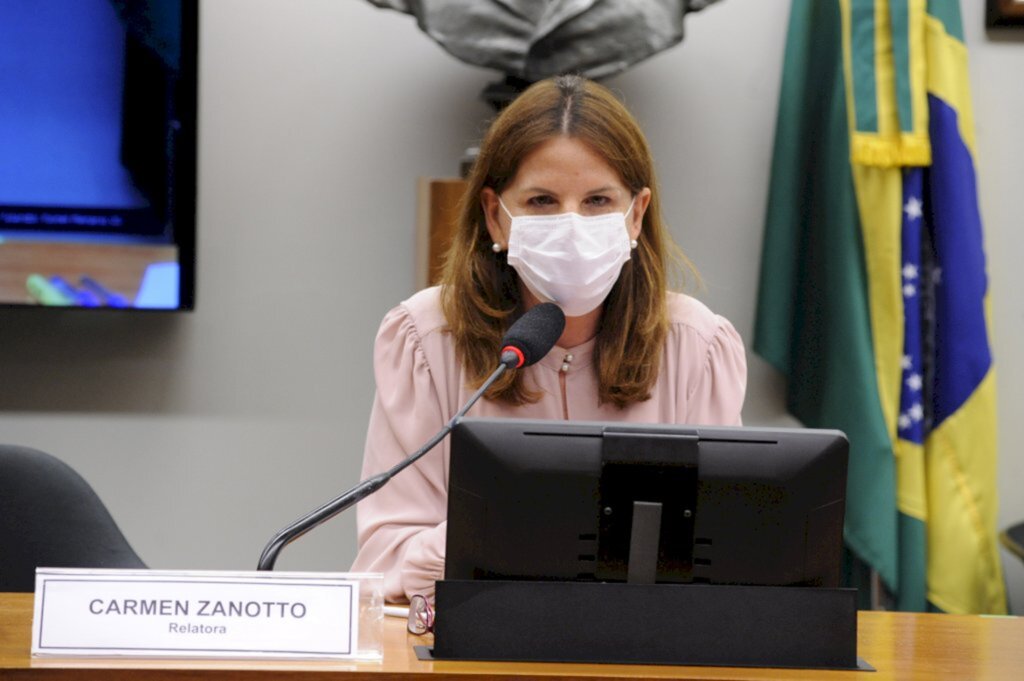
647	508
643	543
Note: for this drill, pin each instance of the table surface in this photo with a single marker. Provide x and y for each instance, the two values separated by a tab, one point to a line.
118	267
924	647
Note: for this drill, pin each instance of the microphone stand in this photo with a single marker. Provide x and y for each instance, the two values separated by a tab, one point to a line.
371	485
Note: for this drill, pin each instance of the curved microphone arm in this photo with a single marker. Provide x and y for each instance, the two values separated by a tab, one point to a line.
370	485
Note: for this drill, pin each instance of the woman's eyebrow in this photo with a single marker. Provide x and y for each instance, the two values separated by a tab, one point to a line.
598	190
604	190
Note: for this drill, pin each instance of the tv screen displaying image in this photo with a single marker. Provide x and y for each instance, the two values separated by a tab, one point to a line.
98	160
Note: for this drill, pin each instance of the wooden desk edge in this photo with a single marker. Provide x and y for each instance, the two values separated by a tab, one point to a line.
899	645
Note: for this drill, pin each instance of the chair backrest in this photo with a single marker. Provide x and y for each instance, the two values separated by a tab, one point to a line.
51	517
1013	539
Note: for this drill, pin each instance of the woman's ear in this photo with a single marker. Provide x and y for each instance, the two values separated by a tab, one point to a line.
492	216
636	217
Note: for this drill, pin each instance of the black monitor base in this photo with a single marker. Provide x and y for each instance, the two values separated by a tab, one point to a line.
690	624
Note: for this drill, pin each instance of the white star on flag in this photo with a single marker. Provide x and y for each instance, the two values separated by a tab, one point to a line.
909	291
914	382
916	412
913	208
910	271
907	362
904	421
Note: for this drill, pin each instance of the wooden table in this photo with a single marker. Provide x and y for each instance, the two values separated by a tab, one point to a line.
898	645
119	267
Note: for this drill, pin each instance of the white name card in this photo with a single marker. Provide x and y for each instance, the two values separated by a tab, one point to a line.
151	613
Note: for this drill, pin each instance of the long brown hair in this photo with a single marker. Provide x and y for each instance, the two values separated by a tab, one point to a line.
479	290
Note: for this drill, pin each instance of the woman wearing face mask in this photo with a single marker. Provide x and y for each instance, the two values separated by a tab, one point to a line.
561	206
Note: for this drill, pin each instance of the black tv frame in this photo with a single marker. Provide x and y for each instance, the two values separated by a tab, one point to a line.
187	146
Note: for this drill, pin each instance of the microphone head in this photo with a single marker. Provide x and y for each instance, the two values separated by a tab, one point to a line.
532	336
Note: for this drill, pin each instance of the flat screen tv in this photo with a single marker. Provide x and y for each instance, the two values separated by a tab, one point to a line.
616	502
98	160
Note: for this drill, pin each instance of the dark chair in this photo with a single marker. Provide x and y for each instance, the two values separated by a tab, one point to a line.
1013	539
51	517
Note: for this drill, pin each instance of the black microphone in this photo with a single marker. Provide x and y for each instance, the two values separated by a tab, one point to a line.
531	337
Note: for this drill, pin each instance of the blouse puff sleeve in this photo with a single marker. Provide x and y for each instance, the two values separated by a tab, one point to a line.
716	396
401	528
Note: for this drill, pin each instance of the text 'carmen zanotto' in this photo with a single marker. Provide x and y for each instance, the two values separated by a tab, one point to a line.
198	608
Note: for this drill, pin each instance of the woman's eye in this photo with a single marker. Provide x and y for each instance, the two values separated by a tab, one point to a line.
598	201
540	200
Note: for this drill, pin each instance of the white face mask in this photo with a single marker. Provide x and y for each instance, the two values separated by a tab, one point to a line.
569	259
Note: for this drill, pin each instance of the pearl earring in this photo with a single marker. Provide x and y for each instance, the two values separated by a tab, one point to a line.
633	244
496	247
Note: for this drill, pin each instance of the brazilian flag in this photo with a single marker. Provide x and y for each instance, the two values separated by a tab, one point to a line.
873	297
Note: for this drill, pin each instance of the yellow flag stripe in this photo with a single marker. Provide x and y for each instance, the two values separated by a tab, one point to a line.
919	69
964	568
879	193
948	77
911	487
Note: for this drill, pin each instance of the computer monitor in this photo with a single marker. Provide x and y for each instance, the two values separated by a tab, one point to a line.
561	500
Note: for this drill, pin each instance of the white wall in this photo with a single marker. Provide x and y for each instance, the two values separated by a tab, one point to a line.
205	433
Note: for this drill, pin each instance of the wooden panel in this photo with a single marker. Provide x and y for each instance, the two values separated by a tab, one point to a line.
436	217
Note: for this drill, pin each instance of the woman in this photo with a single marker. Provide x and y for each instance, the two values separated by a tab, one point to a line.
561	205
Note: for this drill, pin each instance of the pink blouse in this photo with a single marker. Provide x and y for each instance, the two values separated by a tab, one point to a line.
421	385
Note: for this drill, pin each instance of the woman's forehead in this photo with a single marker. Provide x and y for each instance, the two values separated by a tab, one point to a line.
565	161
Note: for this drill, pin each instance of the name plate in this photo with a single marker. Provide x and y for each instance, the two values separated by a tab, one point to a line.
162	613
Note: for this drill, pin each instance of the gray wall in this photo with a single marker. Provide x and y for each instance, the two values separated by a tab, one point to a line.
207	432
